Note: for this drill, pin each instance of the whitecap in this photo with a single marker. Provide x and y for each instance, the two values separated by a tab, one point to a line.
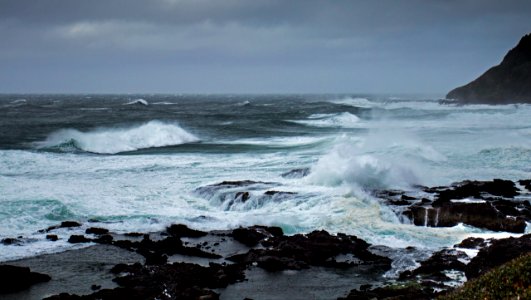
356	102
344	119
115	140
138	101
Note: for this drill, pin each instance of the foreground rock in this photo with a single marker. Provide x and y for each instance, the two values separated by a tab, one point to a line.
498	253
491	205
317	248
170	281
14	278
509	82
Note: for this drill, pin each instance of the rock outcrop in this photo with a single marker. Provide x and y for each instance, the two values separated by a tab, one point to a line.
508	82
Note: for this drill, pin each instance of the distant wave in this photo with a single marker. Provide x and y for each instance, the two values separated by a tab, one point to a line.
244	103
164	103
344	119
115	140
18	101
357	102
138	101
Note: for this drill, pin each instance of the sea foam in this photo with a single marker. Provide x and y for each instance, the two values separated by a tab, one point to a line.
115	140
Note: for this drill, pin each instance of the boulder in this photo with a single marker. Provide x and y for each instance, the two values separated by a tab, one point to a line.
14	278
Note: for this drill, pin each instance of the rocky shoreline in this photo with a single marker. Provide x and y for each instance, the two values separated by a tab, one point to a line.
261	262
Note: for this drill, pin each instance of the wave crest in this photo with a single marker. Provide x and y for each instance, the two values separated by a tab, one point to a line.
139	101
344	119
115	140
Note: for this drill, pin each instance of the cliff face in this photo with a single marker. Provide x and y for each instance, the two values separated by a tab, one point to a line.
508	82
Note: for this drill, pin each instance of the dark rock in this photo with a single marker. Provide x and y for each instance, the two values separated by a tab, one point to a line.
508	82
134	234
64	224
248	236
481	215
273	193
238	183
95	287
11	241
169	281
52	237
472	243
317	248
104	239
96	230
180	230
476	189
433	267
498	253
68	224
74	239
526	183
397	292
243	196
252	235
171	245
14	278
296	173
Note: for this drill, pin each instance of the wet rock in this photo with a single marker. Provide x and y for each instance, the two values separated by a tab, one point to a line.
526	183
75	239
11	241
65	224
498	253
180	230
52	237
134	234
395	292
170	245
248	236
476	189
169	281
242	196
96	231
104	239
484	204
14	278
434	267
239	183
481	215
317	248
472	243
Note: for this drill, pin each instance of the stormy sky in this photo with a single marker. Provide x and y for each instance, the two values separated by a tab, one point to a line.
253	46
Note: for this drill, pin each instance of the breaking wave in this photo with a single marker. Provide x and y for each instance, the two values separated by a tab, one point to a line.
115	140
138	102
356	102
344	119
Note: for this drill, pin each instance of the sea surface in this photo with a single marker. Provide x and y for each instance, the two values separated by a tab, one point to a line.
141	162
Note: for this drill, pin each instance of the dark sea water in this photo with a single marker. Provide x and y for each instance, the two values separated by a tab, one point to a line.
140	162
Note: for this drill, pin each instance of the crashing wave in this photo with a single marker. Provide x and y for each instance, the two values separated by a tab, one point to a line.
138	102
115	140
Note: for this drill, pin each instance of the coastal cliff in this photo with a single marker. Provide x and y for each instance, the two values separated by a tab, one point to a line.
508	82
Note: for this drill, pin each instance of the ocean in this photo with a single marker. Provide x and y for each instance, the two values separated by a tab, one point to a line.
141	162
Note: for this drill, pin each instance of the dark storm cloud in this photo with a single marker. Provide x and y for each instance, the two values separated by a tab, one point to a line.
253	46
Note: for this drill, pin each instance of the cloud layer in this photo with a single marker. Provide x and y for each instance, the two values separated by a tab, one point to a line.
253	46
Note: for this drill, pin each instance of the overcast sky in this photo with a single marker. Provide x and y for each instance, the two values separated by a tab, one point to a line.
253	46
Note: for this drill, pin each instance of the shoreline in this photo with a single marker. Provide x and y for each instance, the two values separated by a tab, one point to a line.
247	262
